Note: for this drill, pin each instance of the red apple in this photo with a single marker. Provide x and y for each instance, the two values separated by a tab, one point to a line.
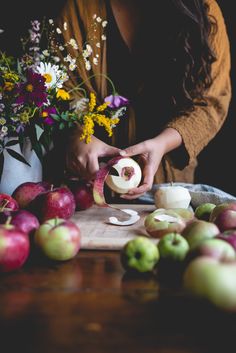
229	236
14	248
226	219
213	247
22	219
83	194
58	239
26	192
8	202
221	207
58	202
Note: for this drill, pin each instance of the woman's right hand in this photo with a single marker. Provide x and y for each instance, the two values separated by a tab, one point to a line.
82	159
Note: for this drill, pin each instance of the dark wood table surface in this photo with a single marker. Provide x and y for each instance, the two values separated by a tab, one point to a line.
89	304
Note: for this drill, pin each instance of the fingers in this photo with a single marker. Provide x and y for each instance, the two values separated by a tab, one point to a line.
134	150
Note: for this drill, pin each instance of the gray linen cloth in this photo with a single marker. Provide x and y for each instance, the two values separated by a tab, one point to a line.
200	193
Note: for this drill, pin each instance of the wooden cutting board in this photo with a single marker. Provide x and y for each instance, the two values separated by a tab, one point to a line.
97	234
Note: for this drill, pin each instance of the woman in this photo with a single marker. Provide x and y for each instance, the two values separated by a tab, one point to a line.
174	67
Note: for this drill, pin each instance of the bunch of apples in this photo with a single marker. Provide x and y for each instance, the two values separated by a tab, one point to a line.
203	241
38	214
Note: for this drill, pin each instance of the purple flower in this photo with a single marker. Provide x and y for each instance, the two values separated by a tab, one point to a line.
116	101
46	115
33	90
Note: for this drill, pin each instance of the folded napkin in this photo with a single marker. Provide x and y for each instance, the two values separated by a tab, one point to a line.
200	193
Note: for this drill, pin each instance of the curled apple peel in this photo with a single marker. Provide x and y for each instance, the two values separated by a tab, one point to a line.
129	177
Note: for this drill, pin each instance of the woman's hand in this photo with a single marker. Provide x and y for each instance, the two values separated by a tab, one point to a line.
83	158
151	153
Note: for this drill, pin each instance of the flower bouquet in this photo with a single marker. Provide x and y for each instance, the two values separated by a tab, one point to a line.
35	103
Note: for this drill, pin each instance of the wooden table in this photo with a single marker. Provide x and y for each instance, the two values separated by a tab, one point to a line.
89	304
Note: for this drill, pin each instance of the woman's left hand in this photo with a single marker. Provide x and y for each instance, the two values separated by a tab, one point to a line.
150	154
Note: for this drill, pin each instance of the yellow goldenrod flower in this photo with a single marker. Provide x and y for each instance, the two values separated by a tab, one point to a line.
61	93
88	128
11	76
102	107
8	86
92	102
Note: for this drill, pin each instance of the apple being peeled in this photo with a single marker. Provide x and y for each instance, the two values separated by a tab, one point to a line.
173	247
58	239
27	191
212	280
129	175
8	202
58	202
24	220
139	254
198	231
14	248
172	197
162	221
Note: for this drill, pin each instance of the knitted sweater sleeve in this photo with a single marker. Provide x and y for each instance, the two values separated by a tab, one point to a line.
199	127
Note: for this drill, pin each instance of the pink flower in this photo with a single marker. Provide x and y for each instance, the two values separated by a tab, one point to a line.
116	101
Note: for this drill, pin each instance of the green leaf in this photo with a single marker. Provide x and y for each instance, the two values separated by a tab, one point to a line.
12	143
17	156
39	131
37	147
1	164
61	126
55	117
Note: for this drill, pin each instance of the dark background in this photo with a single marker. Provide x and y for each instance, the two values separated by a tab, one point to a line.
217	161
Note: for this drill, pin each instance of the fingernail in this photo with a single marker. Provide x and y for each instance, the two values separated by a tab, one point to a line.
122	153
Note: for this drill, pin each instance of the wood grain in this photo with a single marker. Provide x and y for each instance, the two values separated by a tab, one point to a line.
97	234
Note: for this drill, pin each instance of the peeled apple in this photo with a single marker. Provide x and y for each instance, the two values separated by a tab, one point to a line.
172	197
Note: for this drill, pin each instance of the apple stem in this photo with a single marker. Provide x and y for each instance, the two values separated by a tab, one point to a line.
3	205
8	221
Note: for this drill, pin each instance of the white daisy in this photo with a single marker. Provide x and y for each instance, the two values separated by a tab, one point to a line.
53	75
104	23
104	37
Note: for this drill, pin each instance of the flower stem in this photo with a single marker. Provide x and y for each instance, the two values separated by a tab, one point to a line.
102	75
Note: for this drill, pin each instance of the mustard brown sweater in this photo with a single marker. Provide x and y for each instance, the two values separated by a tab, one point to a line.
197	128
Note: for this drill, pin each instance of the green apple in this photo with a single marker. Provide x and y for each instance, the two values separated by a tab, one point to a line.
58	239
198	230
140	254
204	211
173	247
212	280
